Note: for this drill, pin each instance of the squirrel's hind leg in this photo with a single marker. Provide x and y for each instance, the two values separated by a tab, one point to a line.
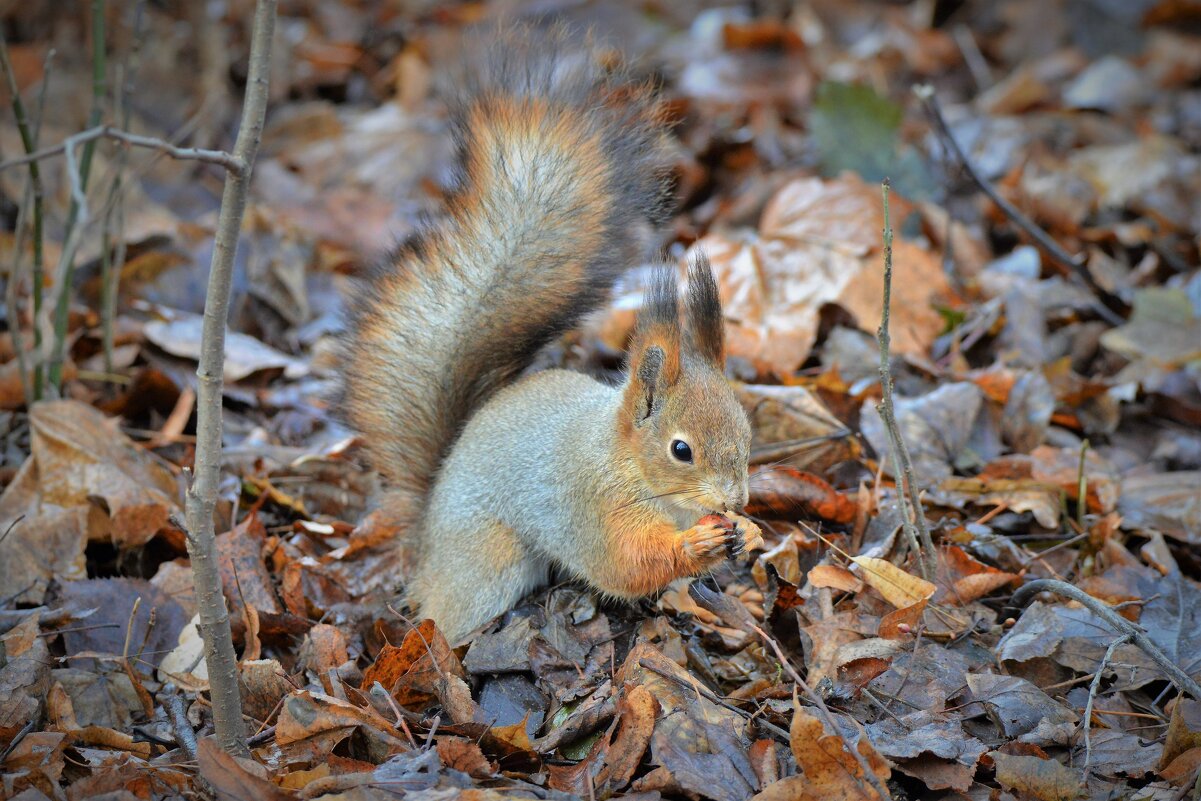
470	577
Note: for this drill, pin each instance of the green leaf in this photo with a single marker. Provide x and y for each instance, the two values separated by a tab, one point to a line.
858	130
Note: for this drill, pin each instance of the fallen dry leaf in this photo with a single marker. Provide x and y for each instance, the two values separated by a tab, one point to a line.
1044	779
227	776
786	493
83	481
411	670
819	242
899	588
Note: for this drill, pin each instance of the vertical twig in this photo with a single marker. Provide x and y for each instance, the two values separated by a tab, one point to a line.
1082	487
77	215
1092	695
28	141
12	290
202	494
913	520
11	293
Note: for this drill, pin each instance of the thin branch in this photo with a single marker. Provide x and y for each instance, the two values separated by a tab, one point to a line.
1120	624
77	215
1082	487
913	519
1092	696
1074	264
868	773
219	157
10	294
29	142
202	492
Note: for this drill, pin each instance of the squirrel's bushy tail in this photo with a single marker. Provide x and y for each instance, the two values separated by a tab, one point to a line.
559	159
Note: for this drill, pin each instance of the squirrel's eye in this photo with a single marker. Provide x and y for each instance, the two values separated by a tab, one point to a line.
680	450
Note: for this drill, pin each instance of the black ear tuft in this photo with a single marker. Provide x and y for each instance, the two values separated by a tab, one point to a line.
705	327
661	307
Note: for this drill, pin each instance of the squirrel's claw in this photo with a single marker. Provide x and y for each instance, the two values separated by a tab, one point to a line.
745	536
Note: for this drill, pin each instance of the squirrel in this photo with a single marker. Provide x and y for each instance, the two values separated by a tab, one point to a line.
502	477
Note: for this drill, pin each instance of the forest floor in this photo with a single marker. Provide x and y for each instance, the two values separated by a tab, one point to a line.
1046	356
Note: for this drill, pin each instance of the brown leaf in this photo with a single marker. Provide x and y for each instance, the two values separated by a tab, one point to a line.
231	780
1060	467
84	480
324	647
459	753
699	743
899	588
264	684
859	672
636	710
454	695
1044	779
835	577
793	418
310	725
1184	729
411	670
830	770
964	579
827	636
1183	768
766	761
902	622
36	762
791	788
1019	495
244	574
783	492
516	735
819	242
104	737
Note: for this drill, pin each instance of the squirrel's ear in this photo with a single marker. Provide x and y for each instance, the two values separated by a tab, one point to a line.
655	351
706	330
647	383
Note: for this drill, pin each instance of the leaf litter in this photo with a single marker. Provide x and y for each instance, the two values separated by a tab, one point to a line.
1051	411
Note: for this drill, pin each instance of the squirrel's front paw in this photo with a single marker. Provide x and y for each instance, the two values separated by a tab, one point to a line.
745	536
706	541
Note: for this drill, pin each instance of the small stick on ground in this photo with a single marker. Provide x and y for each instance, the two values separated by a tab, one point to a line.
868	773
1120	624
180	727
202	492
913	520
1092	696
1074	264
